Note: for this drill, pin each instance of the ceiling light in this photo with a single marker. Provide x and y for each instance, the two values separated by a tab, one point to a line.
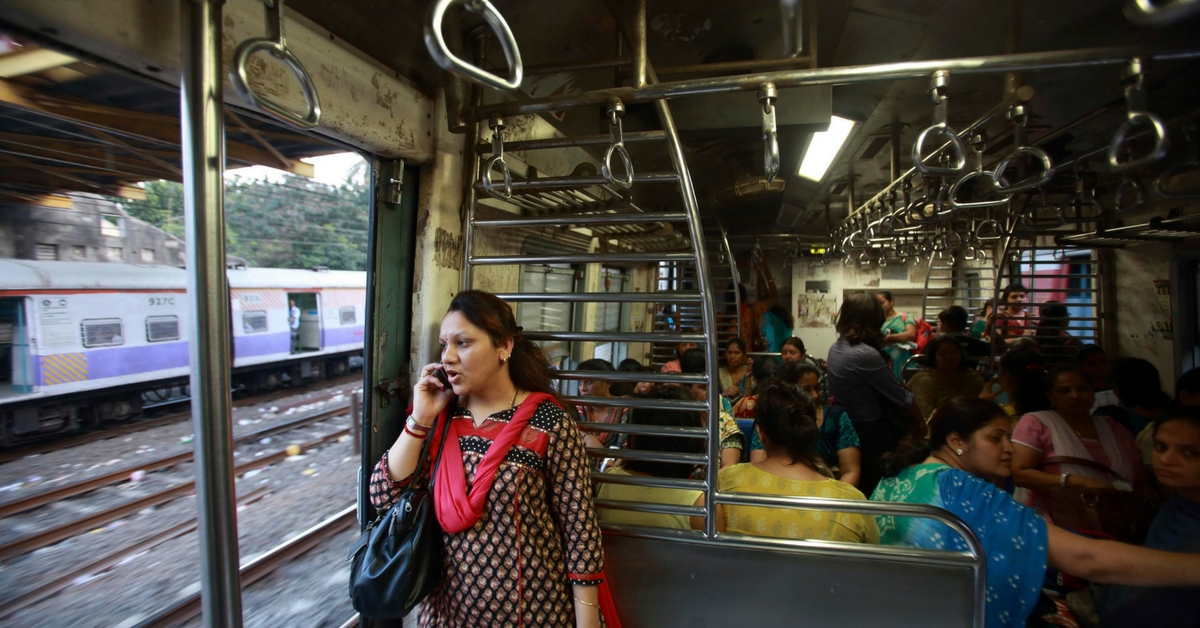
824	148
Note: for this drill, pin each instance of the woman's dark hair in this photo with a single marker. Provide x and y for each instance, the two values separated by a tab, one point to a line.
621	389
861	318
936	343
787	419
693	361
527	366
1029	370
797	343
1086	351
597	364
765	371
1011	288
1189	382
887	294
1054	319
741	344
783	314
1137	384
955	318
673	444
983	311
961	415
1178	413
1053	374
793	371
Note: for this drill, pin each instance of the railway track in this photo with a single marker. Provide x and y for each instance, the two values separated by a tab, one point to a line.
261	567
121	475
42	447
49	536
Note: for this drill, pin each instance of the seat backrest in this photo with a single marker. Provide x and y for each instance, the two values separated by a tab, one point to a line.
662	583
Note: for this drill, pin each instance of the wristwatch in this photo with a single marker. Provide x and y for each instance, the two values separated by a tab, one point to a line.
413	425
1062	479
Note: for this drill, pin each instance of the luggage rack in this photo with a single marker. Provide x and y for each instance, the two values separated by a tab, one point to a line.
1157	229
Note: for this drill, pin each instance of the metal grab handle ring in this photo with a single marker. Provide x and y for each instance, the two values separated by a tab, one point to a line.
1160	185
606	167
848	262
1146	13
864	258
956	145
1033	221
1139	194
1028	183
1162	143
488	185
767	95
859	244
277	46
436	44
989	231
952	239
916	211
957	204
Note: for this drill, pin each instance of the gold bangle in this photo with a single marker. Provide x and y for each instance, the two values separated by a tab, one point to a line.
587	603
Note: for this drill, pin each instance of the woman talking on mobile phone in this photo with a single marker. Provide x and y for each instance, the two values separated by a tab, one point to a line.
522	542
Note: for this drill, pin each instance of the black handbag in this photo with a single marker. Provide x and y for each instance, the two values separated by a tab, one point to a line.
398	558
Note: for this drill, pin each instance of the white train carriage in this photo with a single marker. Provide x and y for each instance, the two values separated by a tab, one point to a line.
81	342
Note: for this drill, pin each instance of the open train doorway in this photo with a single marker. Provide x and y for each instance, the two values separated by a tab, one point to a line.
16	359
304	321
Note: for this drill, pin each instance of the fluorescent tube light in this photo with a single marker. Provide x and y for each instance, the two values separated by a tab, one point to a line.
824	148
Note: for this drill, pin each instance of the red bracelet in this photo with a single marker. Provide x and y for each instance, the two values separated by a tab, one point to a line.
414	434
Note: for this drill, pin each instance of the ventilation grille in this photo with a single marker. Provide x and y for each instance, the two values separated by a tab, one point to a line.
254	322
162	328
104	332
346	315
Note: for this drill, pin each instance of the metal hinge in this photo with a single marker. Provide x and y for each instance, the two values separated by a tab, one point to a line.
390	389
395	182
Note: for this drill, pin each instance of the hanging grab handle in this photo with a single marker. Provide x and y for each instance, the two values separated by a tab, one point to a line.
767	95
979	173
436	44
616	147
276	45
1135	104
939	84
1164	179
1019	117
496	124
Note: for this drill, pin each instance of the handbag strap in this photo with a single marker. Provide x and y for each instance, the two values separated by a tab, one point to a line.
419	476
1079	462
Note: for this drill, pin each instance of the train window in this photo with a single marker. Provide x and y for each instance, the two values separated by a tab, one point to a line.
551	278
47	252
611	316
346	314
254	322
102	332
162	328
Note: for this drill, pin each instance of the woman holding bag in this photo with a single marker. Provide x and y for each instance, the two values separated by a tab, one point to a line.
522	543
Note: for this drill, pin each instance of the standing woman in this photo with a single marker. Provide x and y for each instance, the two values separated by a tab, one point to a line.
899	332
600	413
987	315
736	378
522	543
861	382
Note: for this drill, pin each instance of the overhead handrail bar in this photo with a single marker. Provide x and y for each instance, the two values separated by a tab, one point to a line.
496	124
1150	13
575	141
632	377
846	75
1020	118
276	44
583	219
1136	111
1193	162
767	95
435	42
554	183
939	86
604	297
616	146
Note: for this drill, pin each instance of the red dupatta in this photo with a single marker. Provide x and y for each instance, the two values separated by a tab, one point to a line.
459	508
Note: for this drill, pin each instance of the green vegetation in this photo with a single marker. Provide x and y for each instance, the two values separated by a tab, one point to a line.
298	223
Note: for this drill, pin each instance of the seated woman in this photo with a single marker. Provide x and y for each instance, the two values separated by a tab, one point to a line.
946	378
1140	397
624	389
788	430
1070	430
792	350
764	372
733	442
735	377
1051	332
838	443
983	320
1020	385
638	468
599	413
1176	461
969	450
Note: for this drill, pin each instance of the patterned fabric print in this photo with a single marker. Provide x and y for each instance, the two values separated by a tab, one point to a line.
538	534
1014	538
618	415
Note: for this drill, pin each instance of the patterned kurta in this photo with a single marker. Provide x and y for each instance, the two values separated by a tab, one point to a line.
537	536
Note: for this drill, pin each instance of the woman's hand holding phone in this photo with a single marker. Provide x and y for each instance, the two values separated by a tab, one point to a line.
431	394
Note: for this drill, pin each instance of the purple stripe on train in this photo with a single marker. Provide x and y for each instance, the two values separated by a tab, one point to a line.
341	336
119	361
252	345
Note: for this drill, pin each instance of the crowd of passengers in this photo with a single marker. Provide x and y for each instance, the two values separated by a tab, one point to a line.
996	453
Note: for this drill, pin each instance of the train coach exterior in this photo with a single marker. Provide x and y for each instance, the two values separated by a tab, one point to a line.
86	339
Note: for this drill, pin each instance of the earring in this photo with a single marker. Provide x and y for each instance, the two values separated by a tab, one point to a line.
958	451
504	359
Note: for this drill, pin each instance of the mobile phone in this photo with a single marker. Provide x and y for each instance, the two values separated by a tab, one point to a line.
442	377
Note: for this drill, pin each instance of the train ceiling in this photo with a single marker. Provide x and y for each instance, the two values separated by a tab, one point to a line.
67	126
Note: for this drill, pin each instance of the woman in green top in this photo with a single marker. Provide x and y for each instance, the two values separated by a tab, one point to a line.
899	332
979	328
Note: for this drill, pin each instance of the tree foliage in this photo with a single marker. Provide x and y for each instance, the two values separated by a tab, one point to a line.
296	223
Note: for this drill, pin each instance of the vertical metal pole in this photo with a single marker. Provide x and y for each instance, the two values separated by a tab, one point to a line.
894	165
639	43
203	135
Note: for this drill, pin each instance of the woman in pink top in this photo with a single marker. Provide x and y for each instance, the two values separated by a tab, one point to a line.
1070	430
